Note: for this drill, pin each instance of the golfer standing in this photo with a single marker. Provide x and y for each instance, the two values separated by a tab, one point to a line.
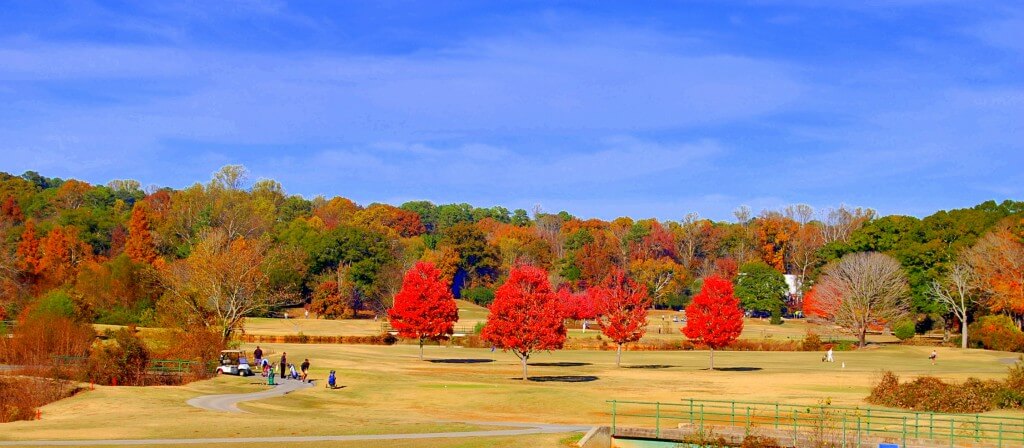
284	365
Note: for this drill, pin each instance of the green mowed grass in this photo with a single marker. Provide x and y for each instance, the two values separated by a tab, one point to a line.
387	389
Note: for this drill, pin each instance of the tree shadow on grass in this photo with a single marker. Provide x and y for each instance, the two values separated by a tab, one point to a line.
562	378
560	364
651	366
737	369
461	360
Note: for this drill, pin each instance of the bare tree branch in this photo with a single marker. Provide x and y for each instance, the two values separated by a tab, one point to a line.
863	290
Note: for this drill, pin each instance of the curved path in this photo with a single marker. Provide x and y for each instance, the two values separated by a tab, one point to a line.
522	429
229	402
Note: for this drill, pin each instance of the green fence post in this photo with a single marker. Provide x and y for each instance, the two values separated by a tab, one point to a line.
702	419
977	427
657	419
858	431
748	418
794	427
613	417
952	431
904	431
844	430
1000	434
917	425
691	411
732	415
776	416
869	422
931	425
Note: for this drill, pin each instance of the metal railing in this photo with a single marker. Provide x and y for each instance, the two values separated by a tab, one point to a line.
176	366
173	366
836	425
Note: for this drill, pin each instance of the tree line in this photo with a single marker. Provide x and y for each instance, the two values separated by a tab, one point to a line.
215	252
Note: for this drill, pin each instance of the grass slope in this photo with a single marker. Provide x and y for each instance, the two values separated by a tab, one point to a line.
388	390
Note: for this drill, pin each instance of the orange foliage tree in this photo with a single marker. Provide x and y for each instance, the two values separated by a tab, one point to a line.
663	278
998	263
28	249
10	212
403	223
596	259
139	246
221	282
71	194
61	254
774	232
336	211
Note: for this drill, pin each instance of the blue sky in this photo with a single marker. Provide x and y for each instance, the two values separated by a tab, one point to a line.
603	109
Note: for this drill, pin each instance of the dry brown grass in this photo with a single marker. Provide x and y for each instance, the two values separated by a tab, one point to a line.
387	389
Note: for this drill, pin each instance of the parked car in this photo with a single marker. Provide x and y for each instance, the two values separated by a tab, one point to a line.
234	362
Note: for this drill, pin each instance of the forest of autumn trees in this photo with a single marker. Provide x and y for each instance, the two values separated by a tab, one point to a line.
121	254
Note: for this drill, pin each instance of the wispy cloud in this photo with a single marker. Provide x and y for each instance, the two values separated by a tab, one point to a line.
653	113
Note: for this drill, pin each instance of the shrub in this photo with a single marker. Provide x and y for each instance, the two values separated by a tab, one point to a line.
1012	395
480	295
904	330
197	344
844	346
123	360
21	396
55	303
752	441
380	339
928	393
38	338
142	315
996	333
811	342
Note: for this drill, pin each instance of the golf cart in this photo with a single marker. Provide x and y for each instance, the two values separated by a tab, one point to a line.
234	362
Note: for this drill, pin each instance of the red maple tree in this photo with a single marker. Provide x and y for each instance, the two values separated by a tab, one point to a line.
622	309
811	305
525	316
424	308
577	305
714	317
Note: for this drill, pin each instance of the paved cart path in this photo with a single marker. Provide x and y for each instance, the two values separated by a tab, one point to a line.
519	429
229	402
